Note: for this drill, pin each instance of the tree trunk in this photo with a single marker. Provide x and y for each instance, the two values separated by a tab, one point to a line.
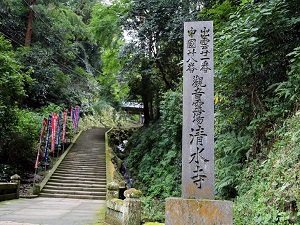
145	98
29	26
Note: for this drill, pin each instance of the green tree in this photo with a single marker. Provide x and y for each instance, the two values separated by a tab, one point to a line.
64	60
12	83
107	32
13	21
154	52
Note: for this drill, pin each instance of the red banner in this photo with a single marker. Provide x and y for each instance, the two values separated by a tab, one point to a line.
40	144
53	133
64	127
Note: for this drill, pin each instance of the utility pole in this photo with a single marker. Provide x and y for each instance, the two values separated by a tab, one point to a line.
29	27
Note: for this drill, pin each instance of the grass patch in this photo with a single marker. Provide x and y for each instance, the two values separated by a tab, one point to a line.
101	216
153	223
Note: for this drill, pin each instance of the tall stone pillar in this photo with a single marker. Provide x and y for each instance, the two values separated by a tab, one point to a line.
197	205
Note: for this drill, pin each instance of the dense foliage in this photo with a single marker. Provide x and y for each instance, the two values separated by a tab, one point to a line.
269	186
256	89
55	65
97	54
12	84
155	157
253	68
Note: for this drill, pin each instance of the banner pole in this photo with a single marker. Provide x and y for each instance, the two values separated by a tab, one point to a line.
39	148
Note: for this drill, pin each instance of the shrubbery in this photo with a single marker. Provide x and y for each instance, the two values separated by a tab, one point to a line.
155	152
269	186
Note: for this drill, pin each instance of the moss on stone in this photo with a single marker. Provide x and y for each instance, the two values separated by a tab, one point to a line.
132	193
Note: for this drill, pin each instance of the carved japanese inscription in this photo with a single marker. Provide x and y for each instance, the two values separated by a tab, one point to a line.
198	111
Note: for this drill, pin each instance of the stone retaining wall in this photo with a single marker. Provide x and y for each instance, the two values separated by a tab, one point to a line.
10	191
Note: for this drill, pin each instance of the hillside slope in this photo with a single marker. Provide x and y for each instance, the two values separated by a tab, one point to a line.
269	191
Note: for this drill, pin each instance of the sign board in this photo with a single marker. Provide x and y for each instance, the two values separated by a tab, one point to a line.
198	111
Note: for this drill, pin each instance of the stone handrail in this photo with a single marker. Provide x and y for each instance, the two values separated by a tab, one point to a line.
118	211
10	191
123	212
112	173
109	166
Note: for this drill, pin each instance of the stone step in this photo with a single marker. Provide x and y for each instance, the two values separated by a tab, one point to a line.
78	161
83	165
47	195
89	174
82	151
80	173
55	188
98	147
89	158
80	167
78	178
76	185
74	192
86	182
71	160
87	155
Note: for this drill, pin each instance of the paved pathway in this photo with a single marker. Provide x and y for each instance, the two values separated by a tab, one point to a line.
52	211
58	211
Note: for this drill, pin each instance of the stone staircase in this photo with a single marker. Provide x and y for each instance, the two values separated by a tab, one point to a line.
82	173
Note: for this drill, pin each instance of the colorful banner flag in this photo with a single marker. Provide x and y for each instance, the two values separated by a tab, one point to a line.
53	133
64	140
47	139
40	144
77	111
58	129
72	114
75	114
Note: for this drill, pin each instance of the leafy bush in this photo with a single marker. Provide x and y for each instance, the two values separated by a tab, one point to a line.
290	89
230	154
20	150
152	210
6	171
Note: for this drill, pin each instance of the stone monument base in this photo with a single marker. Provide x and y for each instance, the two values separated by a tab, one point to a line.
181	211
